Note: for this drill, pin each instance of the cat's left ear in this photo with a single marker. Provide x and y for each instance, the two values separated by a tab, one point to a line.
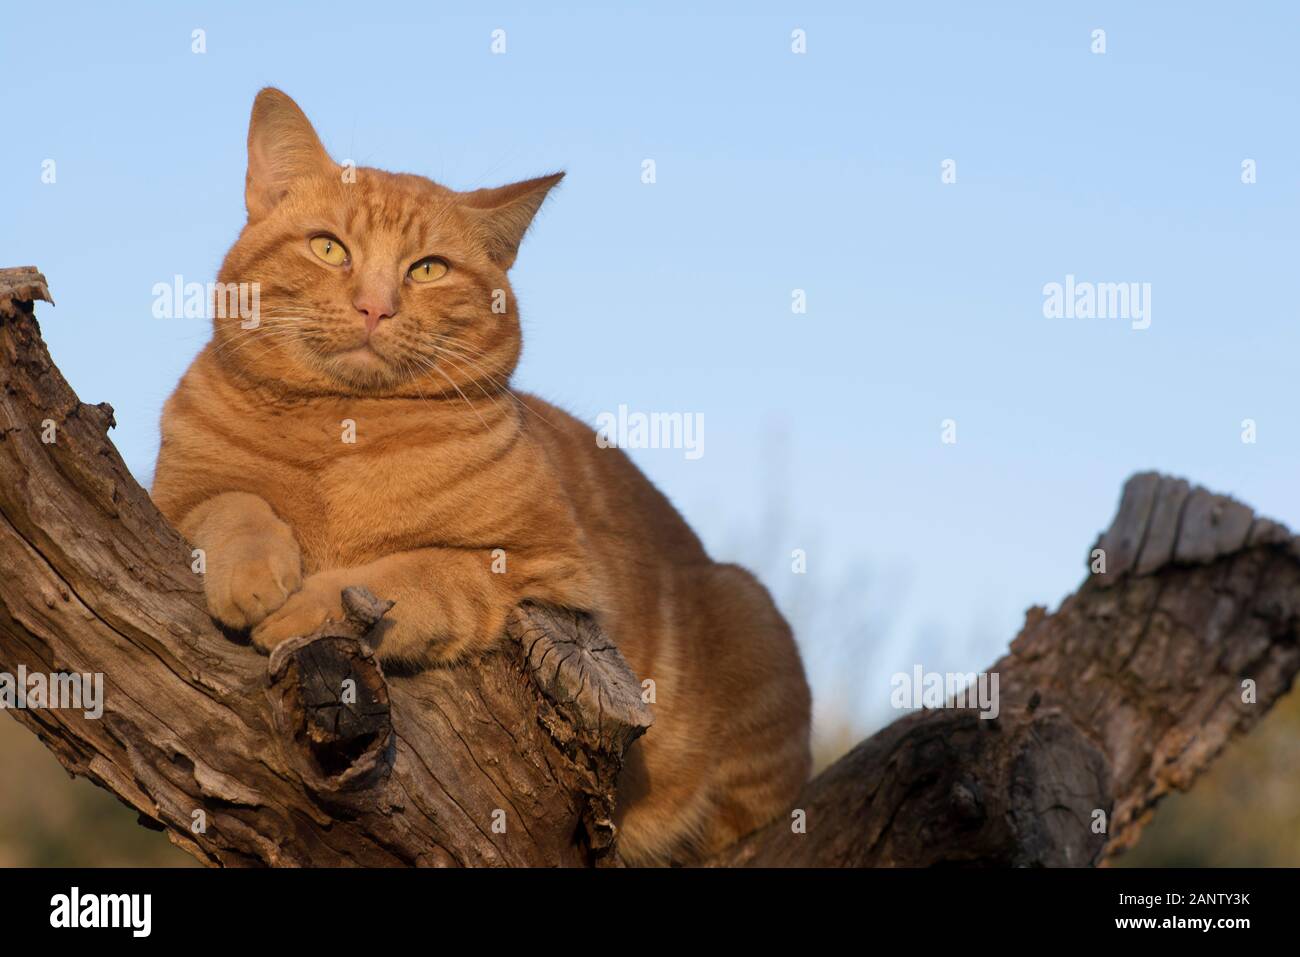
282	147
503	214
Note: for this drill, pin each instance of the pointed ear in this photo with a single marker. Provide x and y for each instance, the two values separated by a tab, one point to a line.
282	146
504	214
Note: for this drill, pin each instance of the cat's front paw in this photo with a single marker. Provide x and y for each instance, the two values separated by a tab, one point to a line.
320	598
248	577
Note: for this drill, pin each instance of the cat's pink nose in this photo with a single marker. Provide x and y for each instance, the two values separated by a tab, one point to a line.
374	308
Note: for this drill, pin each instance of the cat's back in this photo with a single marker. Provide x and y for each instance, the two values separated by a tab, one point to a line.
614	499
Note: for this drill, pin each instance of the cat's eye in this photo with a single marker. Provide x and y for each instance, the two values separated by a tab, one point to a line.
330	250
429	269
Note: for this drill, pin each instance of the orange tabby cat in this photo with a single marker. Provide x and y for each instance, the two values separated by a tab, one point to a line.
386	319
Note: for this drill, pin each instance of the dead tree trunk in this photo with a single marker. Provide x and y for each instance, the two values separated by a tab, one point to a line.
1129	690
316	758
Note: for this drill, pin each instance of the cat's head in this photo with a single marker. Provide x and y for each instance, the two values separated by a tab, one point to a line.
367	282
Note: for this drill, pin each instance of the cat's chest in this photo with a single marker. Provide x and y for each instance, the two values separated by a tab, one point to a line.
354	497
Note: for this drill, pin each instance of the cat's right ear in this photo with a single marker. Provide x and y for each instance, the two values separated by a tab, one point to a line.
282	147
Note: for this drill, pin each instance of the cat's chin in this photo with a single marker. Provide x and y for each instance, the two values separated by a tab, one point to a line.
361	366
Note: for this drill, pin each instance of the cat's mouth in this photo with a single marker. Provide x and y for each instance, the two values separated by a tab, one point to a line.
369	363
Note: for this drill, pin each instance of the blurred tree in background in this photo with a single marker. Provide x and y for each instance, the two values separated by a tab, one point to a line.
50	819
1244	813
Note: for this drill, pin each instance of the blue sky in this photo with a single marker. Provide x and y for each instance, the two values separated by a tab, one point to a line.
775	172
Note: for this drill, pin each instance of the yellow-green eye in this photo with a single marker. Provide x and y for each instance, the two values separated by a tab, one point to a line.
329	249
430	269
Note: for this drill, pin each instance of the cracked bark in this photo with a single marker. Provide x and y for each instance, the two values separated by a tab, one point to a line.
1130	689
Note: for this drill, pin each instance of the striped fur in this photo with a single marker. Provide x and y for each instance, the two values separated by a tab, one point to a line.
458	497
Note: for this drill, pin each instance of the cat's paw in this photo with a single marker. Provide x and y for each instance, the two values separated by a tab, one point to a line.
247	577
306	610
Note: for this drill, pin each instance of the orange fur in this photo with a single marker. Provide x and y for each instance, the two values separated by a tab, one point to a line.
448	465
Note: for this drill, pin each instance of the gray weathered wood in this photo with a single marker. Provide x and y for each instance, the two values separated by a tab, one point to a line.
1126	692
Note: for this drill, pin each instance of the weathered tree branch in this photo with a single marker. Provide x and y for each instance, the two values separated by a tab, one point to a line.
422	770
1130	689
